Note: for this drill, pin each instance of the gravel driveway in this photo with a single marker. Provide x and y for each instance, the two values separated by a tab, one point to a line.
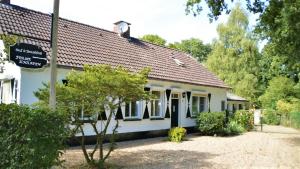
275	147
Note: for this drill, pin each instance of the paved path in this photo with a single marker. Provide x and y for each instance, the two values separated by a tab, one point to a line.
275	147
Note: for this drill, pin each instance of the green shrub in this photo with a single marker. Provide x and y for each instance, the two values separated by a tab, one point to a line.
271	117
233	128
30	137
177	134
295	119
245	119
210	123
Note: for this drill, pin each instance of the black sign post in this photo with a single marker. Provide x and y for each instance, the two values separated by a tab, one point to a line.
28	56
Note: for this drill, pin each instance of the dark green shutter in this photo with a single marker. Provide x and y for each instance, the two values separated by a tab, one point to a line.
65	82
168	93
188	114
102	115
119	114
12	83
146	112
209	96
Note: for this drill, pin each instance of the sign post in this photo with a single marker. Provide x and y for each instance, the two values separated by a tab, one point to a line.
53	67
28	56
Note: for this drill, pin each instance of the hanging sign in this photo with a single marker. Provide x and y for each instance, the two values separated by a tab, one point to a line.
28	56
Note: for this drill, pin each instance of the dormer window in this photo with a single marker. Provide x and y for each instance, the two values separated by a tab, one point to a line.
178	62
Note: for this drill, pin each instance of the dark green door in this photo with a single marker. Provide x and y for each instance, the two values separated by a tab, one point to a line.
174	114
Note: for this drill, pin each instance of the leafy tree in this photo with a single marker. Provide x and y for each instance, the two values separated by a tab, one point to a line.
278	23
92	92
217	7
280	88
155	39
235	55
8	41
194	47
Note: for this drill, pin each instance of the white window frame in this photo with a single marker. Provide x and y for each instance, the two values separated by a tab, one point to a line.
161	99
138	111
193	114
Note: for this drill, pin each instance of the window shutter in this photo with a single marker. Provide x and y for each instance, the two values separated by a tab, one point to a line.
102	115
146	112
188	108
209	96
12	85
168	93
119	114
65	82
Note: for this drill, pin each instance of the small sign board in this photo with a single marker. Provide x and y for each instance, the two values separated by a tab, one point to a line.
28	56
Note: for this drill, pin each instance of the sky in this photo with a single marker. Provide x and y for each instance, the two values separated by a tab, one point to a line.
165	18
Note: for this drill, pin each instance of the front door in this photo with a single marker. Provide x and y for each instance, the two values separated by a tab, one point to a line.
174	114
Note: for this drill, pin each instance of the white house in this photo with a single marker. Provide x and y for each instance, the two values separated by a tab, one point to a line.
235	102
183	86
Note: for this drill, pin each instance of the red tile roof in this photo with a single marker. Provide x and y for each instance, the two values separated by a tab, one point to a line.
80	44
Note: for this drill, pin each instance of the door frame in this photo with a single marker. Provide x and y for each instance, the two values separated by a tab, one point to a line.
179	107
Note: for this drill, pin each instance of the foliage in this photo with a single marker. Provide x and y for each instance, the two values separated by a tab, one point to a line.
97	90
217	7
233	128
295	119
283	106
31	137
194	47
280	24
235	55
245	119
155	39
279	88
210	123
177	134
8	41
270	117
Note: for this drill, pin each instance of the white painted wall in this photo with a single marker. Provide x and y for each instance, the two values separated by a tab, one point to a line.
10	71
32	80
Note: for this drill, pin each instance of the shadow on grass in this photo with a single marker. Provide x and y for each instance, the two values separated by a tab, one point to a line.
161	159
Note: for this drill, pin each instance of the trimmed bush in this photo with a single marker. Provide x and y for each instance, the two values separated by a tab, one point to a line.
30	137
210	123
245	119
234	128
177	134
270	117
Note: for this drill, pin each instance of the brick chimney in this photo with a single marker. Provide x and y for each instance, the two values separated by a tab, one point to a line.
122	28
5	1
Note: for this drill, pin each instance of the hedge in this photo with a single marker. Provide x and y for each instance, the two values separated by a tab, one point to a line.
31	137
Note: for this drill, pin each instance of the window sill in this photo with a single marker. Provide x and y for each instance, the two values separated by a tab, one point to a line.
132	119
157	118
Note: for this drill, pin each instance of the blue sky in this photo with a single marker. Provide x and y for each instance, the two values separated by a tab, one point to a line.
165	18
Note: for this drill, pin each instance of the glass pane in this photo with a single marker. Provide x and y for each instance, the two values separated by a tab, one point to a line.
195	104
175	96
127	108
134	108
156	94
202	104
157	107
152	108
222	105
